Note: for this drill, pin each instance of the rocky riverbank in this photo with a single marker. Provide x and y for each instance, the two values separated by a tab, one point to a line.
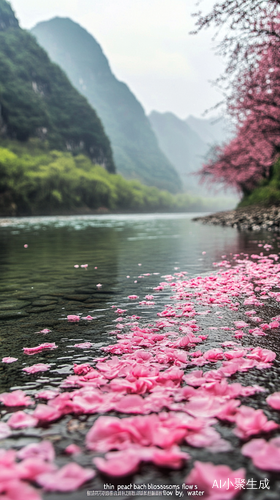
251	218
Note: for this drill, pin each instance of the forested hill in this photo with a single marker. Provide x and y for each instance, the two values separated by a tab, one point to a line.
135	147
38	100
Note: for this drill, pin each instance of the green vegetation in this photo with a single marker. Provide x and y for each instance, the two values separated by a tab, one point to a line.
267	193
135	147
35	181
37	99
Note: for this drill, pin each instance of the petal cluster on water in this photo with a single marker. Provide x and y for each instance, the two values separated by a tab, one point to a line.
169	382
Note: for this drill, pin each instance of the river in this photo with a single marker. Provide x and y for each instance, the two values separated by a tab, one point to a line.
53	267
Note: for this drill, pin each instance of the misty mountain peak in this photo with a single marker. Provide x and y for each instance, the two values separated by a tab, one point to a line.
7	16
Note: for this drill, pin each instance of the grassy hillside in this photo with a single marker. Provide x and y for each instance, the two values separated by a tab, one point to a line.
135	147
36	181
37	99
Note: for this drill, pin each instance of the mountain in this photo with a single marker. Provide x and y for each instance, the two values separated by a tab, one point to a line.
136	151
187	144
38	100
182	146
212	130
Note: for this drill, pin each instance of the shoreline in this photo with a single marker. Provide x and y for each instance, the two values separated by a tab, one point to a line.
252	218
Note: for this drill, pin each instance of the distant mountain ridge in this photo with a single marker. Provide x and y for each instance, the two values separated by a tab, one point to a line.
38	100
135	147
215	130
181	144
187	143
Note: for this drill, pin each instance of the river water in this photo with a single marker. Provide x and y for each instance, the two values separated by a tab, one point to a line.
126	255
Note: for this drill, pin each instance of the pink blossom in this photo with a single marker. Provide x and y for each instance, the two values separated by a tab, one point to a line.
9	359
82	369
73	318
19	490
84	345
15	398
43	450
118	464
68	478
265	455
240	324
249	422
46	330
46	413
73	449
217	481
133	297
21	419
89	318
274	400
265	355
214	354
47	394
209	438
5	430
274	324
130	404
39	367
39	348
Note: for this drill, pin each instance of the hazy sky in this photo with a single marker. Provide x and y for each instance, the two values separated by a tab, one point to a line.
148	46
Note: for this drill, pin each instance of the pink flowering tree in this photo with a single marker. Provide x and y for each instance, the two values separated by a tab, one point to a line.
254	105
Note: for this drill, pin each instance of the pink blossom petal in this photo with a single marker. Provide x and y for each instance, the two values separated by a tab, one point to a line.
39	348
15	398
46	413
118	464
9	359
19	490
216	481
84	345
68	478
73	318
274	400
20	419
39	367
265	455
43	450
250	422
73	449
47	394
5	430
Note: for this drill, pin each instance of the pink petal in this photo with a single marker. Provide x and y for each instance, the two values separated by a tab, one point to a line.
15	398
20	419
9	359
216	481
265	455
274	400
68	478
43	450
84	345
73	318
39	348
5	430
39	367
73	449
120	463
